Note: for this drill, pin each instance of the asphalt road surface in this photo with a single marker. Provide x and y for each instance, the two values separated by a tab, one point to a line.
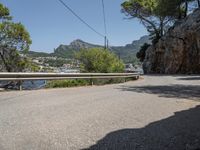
156	113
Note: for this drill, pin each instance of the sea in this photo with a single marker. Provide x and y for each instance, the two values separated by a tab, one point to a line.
27	85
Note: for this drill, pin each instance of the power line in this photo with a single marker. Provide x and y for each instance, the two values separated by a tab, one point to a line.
105	27
76	15
104	17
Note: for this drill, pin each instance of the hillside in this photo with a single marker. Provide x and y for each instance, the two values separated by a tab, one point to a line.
127	52
38	54
68	51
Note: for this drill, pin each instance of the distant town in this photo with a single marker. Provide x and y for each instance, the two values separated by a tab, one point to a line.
62	59
48	64
51	64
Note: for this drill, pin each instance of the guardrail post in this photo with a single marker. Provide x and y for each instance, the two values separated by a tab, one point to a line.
20	85
137	77
91	81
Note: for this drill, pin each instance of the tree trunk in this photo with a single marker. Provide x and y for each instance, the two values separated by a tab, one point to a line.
4	62
186	8
198	1
179	13
161	27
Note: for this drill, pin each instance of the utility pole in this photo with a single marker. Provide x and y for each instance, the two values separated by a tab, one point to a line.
105	42
119	55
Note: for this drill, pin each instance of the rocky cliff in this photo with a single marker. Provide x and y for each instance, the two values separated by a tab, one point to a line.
178	51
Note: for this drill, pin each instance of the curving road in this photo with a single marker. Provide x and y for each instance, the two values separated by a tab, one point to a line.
157	112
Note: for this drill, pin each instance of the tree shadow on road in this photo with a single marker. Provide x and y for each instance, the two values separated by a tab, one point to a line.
191	92
190	78
178	132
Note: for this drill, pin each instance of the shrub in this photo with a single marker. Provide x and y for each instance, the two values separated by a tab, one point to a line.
99	60
67	83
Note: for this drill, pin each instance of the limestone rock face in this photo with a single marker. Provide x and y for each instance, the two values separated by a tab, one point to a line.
178	51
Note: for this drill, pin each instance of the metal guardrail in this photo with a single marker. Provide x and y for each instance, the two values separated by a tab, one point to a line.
61	76
6	76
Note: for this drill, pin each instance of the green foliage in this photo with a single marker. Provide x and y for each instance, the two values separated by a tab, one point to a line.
156	15
142	53
67	83
33	54
14	38
148	13
33	67
84	82
4	13
99	61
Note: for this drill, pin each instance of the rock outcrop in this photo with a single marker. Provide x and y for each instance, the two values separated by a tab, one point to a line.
178	51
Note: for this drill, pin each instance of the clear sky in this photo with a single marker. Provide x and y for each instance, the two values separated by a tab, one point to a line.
50	24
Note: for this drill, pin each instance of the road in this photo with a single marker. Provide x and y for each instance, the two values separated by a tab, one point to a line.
157	112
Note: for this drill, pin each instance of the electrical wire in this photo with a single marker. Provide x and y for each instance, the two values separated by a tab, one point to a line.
77	16
104	17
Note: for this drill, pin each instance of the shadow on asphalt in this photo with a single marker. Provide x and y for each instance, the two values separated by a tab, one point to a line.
190	78
191	92
178	132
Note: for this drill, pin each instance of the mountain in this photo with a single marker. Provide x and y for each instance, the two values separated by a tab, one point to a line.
37	54
68	51
126	53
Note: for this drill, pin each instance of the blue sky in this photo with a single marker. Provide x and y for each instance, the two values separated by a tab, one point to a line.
50	24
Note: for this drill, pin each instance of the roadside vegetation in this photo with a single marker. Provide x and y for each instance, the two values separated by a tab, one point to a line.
67	83
95	60
14	38
84	82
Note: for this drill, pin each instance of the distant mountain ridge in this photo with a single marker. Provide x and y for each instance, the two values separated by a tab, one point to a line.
68	51
125	52
128	51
